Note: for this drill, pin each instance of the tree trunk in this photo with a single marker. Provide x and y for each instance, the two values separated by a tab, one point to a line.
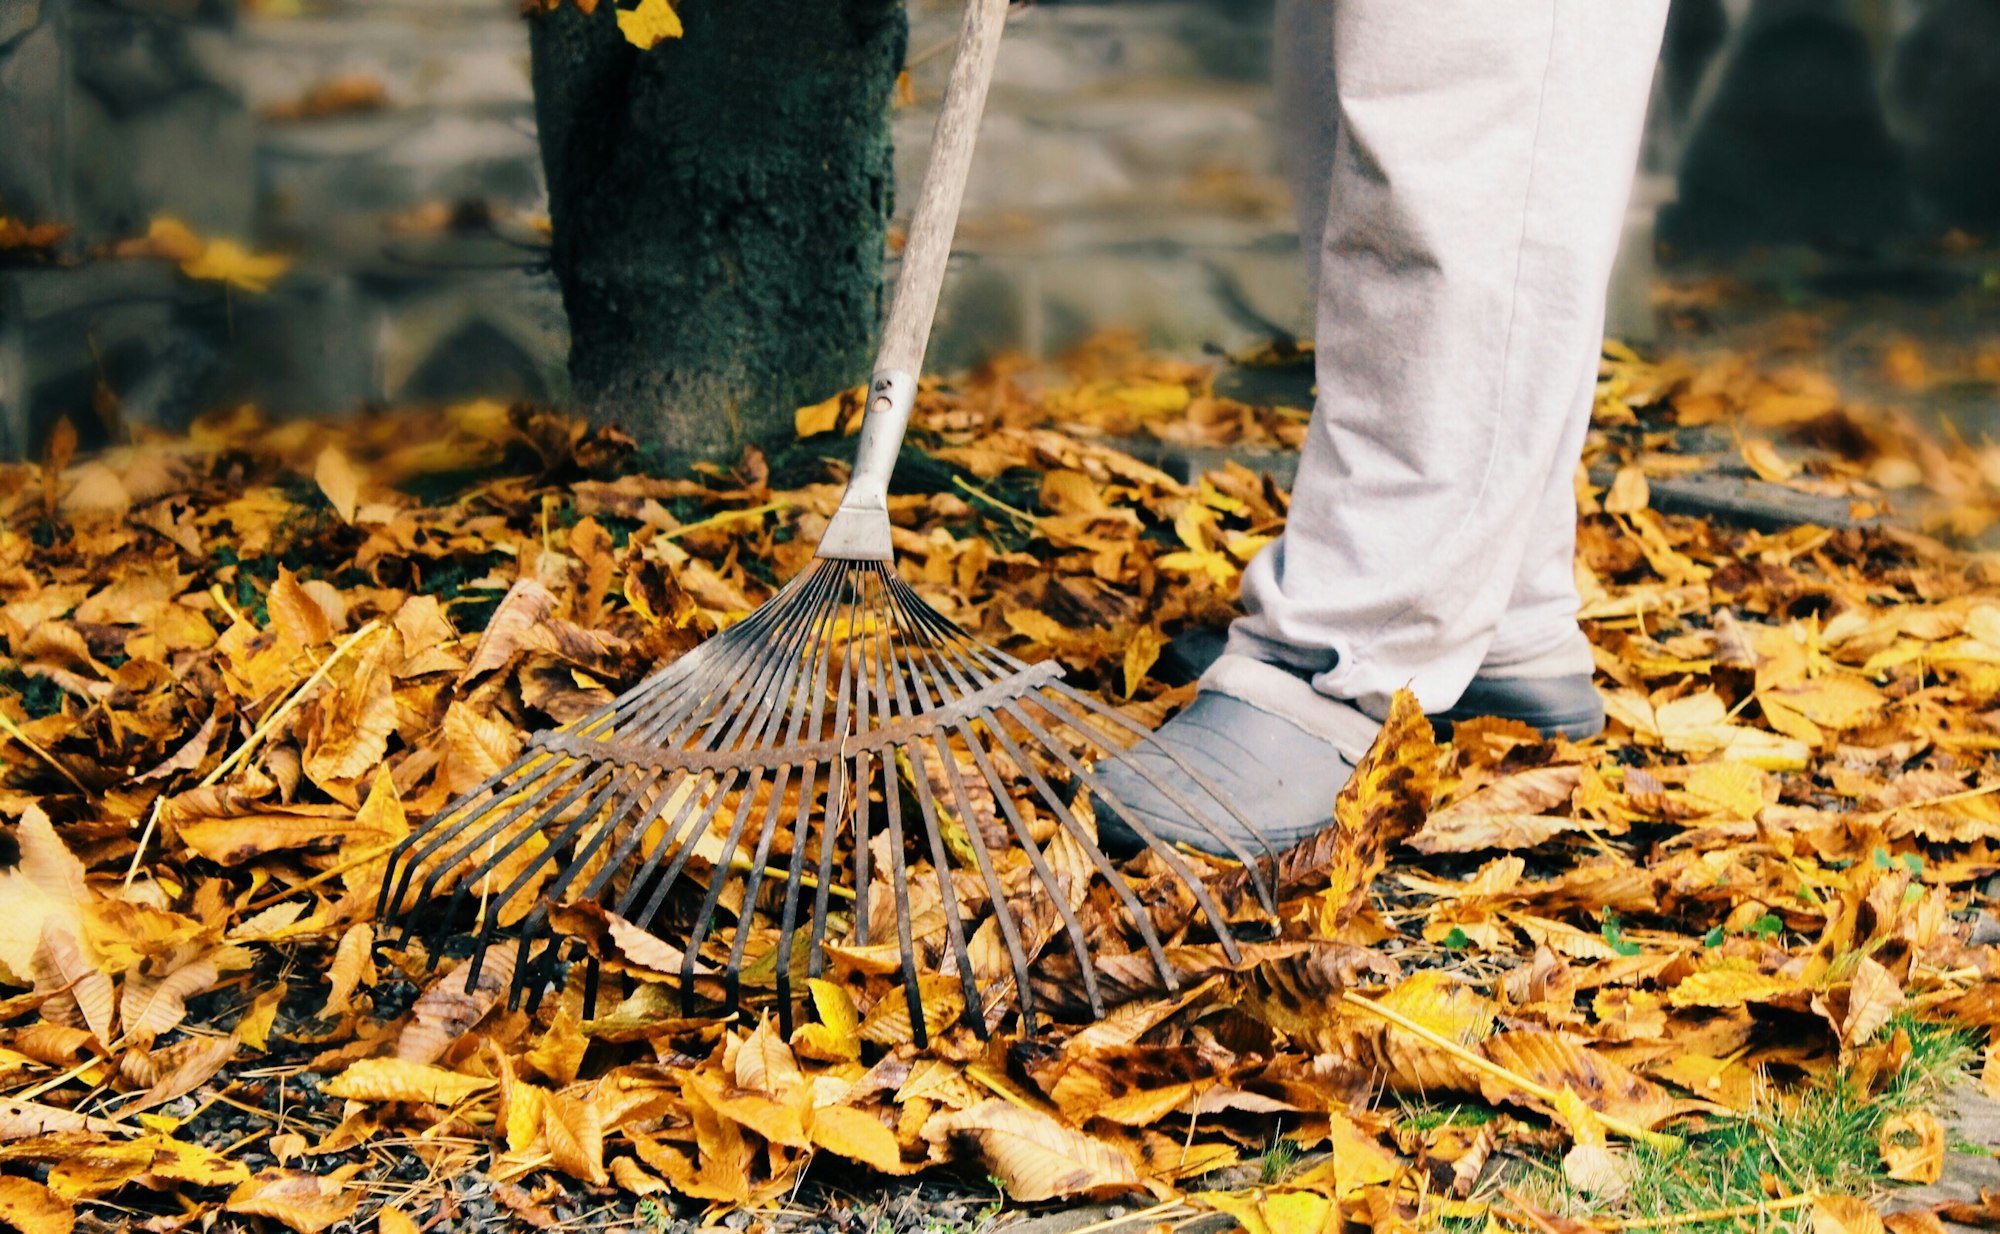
719	206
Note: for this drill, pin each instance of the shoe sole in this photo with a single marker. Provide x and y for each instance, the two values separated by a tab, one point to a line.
1575	725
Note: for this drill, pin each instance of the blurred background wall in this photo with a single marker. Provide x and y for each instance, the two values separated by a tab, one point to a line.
1128	175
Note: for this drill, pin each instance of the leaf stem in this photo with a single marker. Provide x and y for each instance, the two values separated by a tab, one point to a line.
1486	1066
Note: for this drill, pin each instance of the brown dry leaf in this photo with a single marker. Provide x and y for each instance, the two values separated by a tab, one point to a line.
455	1002
353	967
307	1203
1384	801
1032	1155
1554	1060
1912	1145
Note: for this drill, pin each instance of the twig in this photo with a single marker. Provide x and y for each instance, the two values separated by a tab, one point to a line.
1145	1214
14	730
1480	1063
1758	1209
1019	515
145	838
278	713
259	905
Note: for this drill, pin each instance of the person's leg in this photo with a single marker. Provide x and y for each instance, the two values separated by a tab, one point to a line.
1482	156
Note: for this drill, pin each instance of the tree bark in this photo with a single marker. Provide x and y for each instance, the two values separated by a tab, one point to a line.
720	205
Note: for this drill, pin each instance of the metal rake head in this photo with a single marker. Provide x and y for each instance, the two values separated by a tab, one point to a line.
772	774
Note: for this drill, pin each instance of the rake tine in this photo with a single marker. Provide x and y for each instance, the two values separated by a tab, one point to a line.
975	1009
681	844
463	802
706	914
669	719
753	879
788	920
1088	781
801	704
895	703
809	716
582	816
1040	865
836	789
557	776
1009	929
947	895
686	847
768	718
899	883
1257	879
1088	842
465	884
640	778
707	801
432	834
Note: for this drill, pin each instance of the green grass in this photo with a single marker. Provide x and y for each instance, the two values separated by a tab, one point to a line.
1820	1138
1824	1141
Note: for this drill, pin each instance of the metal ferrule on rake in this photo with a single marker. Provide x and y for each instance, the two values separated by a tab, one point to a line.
844	715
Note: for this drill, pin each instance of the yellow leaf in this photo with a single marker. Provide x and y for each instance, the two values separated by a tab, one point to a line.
353	967
1836	701
1872	999
1844	1214
837	1036
859	1135
225	261
1764	459
31	1208
888	1021
1032	1155
1598	1170
558	1053
1384	801
1629	492
394	1079
338	479
1275	1212
254	1029
649	24
448	1010
1729	987
172	239
308	1203
1358	1162
1141	653
1912	1146
391	1220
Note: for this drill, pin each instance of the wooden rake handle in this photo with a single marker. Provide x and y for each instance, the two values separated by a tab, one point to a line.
859	530
928	247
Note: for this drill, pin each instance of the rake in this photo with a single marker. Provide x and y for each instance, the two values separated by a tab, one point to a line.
842	732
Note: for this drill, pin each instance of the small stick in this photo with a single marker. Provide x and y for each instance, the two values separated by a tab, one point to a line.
1521	1083
1145	1214
279	713
317	879
1759	1209
14	730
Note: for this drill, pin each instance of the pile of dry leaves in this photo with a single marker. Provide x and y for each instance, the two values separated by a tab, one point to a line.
239	664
